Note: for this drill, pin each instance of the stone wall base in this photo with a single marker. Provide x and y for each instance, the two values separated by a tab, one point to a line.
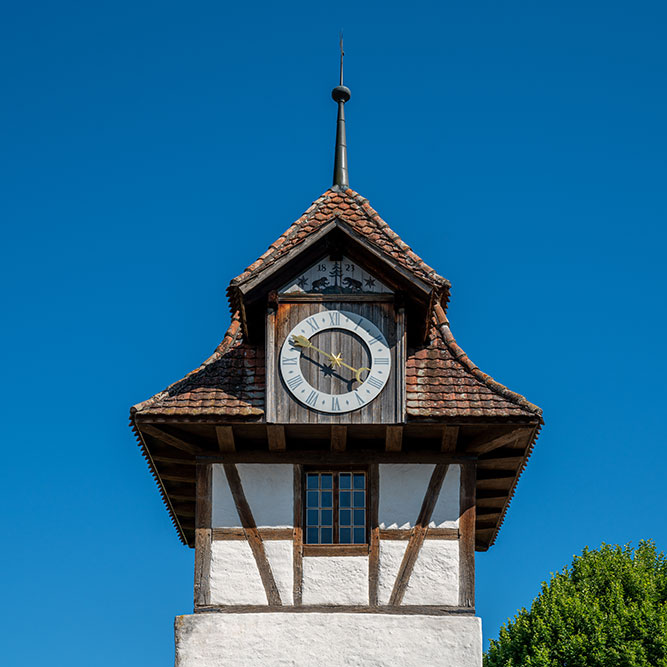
315	638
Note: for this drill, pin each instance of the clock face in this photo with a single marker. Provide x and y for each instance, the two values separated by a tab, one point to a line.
335	361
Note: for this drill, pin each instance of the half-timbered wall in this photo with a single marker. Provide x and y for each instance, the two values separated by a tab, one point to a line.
255	557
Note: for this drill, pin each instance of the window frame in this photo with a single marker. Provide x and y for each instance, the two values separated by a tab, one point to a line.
336	548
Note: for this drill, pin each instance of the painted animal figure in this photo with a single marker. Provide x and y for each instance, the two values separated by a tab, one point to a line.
352	283
320	283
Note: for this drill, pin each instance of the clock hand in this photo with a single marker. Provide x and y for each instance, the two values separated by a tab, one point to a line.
302	341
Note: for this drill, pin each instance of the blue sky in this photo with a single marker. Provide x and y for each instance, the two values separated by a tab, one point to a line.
153	150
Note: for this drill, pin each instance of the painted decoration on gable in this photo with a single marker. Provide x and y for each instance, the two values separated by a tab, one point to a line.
333	276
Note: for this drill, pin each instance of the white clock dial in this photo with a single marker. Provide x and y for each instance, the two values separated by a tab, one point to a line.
361	384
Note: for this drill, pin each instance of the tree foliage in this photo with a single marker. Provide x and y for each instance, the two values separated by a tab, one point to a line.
608	609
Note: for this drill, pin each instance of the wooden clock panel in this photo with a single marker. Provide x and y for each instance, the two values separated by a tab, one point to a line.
386	408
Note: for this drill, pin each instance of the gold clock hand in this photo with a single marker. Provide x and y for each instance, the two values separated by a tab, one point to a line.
302	341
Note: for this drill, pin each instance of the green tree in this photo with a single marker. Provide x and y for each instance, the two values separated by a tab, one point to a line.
608	609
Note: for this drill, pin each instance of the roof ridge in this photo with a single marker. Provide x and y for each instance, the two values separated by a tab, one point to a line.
462	358
230	337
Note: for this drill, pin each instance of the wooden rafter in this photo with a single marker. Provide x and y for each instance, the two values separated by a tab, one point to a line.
394	439
482	444
450	436
225	436
276	436
171	440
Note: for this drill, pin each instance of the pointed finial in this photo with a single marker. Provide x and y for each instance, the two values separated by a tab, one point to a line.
341	94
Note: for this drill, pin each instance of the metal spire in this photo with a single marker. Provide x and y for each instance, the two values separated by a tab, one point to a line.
341	94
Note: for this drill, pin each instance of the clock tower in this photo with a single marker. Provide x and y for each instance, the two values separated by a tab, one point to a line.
338	460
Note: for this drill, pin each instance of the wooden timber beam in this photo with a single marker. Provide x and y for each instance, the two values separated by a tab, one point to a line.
493	501
393	439
326	457
482	444
177	477
225	435
171	440
338	438
175	461
450	436
276	437
500	463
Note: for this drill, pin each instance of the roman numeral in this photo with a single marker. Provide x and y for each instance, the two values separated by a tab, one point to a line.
374	382
294	382
313	323
335	405
360	401
290	361
334	317
381	361
312	398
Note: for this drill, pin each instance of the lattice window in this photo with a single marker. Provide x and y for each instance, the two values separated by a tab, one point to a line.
336	507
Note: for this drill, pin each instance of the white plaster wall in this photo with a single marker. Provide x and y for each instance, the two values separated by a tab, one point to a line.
269	489
391	555
446	511
335	580
309	639
402	489
234	575
280	556
435	577
223	514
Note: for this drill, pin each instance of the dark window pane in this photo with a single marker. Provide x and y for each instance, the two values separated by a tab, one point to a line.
359	518
359	499
326	481
312	481
359	535
360	481
344	498
327	499
345	536
327	518
311	535
345	518
312	498
345	480
311	518
326	535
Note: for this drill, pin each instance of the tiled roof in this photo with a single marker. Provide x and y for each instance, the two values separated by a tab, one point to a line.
354	210
441	382
230	382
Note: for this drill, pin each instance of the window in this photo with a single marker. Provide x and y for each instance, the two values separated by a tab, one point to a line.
335	507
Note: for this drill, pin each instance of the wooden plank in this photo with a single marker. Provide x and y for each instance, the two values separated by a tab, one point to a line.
171	440
502	463
432	534
177	477
225	435
335	550
272	385
467	539
326	458
430	610
297	552
450	436
236	534
203	512
374	551
338	438
393	439
175	461
418	534
399	359
276	438
483	444
252	534
379	297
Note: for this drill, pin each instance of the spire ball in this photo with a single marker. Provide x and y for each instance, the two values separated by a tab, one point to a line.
341	94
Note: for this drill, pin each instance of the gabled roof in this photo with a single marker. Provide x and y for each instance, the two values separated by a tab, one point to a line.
346	209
